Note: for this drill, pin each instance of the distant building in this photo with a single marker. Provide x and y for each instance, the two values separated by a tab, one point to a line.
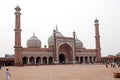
9	56
60	49
111	58
8	60
118	54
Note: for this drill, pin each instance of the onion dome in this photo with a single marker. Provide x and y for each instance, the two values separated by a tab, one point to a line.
33	42
51	38
118	54
78	43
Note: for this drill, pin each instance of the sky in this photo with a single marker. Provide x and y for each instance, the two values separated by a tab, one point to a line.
42	16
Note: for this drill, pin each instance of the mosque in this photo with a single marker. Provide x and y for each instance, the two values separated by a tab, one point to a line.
60	50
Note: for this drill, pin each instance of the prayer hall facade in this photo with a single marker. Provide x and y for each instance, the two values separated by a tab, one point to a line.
60	50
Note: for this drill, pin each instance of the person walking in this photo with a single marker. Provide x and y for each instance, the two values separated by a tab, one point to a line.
106	65
7	74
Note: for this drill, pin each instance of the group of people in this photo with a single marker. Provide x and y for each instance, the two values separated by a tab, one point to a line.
113	64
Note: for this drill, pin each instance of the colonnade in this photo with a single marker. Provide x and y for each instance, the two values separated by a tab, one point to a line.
37	60
49	60
86	59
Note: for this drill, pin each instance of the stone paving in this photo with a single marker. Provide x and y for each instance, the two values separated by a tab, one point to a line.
61	72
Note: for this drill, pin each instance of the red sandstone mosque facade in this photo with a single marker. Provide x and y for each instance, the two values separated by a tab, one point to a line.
60	49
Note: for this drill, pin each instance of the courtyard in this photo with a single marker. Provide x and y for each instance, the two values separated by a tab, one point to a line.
61	72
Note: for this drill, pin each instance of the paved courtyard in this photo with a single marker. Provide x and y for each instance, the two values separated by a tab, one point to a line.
61	72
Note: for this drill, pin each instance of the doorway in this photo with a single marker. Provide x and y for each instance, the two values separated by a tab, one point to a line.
61	58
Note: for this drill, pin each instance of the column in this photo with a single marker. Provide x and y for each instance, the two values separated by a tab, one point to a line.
35	60
83	59
41	60
28	61
47	60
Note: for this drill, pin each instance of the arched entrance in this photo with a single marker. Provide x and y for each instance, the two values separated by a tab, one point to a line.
50	60
44	60
61	58
32	60
77	59
94	59
25	60
86	59
38	60
65	54
81	59
90	59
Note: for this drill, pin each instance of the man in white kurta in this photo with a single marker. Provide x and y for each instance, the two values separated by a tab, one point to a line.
7	74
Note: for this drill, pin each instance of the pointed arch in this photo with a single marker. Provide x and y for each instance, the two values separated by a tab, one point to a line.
32	60
68	52
61	58
38	60
86	59
77	59
25	60
44	60
50	60
81	59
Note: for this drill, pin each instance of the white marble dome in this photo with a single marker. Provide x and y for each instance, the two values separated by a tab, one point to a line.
118	54
51	38
78	43
33	42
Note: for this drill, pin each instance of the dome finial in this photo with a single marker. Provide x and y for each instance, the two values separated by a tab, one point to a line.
33	33
76	36
56	28
17	8
96	21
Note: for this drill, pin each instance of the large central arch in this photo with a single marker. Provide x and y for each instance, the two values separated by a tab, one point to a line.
65	54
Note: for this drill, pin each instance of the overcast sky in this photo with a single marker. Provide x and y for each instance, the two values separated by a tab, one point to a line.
41	16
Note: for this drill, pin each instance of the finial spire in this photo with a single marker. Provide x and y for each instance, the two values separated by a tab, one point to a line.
96	21
17	8
33	33
56	28
76	36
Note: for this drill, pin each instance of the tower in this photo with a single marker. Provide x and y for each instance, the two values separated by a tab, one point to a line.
97	37
17	47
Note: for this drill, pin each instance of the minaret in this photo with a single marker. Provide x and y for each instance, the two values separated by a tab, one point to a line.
17	30
74	36
97	37
55	54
